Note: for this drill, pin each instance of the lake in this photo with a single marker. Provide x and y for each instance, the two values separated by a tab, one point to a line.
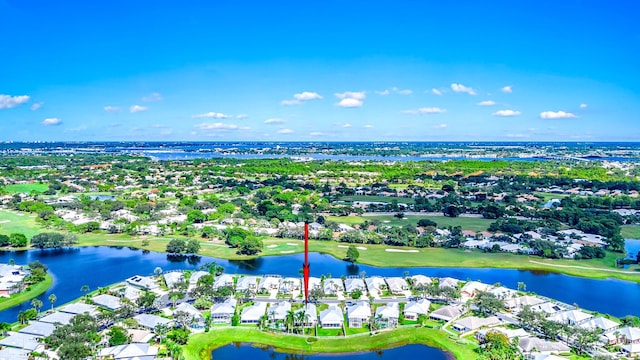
99	266
632	247
246	351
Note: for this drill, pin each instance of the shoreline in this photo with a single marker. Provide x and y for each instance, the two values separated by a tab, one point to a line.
22	297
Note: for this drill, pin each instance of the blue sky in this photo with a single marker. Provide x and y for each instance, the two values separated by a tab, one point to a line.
320	71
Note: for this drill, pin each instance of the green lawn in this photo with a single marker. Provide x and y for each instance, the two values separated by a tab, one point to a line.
548	196
32	292
473	224
18	222
373	198
201	345
630	231
26	188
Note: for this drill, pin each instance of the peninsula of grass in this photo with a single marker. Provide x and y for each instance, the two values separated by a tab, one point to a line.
201	345
28	294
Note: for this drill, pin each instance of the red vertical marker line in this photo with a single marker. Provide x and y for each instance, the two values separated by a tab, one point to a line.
305	267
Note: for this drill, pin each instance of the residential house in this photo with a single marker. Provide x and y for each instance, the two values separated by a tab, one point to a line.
22	341
473	288
224	280
625	335
173	278
353	284
222	313
311	314
130	293
448	282
143	282
359	314
471	323
331	317
289	285
387	316
314	283
397	285
253	313
107	301
58	317
80	308
37	328
600	322
9	353
420	281
570	317
502	292
333	286
509	333
278	311
517	304
268	283
446	313
548	308
413	309
375	285
193	279
197	319
247	284
11	279
151	321
530	344
136	351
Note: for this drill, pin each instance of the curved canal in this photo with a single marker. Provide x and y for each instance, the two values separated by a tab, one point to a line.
101	266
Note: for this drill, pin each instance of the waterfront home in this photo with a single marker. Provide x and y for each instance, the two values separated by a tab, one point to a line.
58	317
107	301
448	282
136	351
130	293
600	323
534	344
171	279
278	311
548	308
193	279
397	285
473	322
253	313
247	284
509	333
39	329
359	314
23	341
11	279
310	315
289	285
314	283
333	286
221	313
413	309
80	308
625	335
388	315
420	281
140	336
517	304
151	321
570	317
143	282
473	288
446	313
197	319
9	353
502	292
353	284
331	317
268	283
224	280
375	285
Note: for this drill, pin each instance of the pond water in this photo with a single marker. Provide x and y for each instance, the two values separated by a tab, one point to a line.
101	266
632	247
246	351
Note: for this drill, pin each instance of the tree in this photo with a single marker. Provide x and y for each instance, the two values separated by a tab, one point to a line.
250	246
193	246
176	246
52	300
356	294
118	336
4	327
85	290
18	240
488	303
146	299
196	216
498	347
37	304
352	254
4	240
157	271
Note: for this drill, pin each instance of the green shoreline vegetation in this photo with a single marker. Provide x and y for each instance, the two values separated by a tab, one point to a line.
34	291
201	345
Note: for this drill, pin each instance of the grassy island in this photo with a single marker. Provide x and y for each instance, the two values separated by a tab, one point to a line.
201	345
33	291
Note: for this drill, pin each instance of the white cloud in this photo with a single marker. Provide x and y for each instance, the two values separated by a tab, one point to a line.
368	126
405	92
436	91
275	121
425	110
506	113
557	115
244	128
152	97
36	106
51	122
8	101
290	102
347	125
317	133
440	126
486	103
307	95
211	115
350	103
285	131
459	88
507	89
76	129
517	136
583	106
242	116
138	108
359	95
112	109
384	92
217	126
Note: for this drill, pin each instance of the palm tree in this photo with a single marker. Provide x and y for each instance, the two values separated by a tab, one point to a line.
4	327
289	321
22	317
52	300
301	319
37	304
85	290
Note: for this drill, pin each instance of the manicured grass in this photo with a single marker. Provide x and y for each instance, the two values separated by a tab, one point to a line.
34	291
630	231
373	198
18	222
201	345
548	196
473	224
26	188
